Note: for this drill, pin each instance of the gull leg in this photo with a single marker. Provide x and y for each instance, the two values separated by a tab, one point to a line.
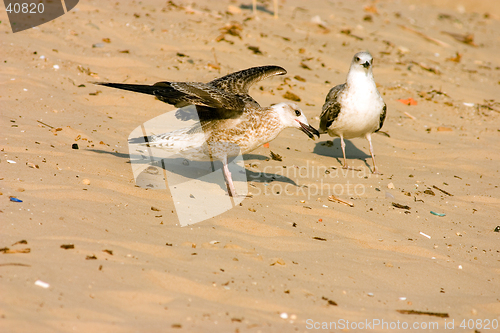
369	138
229	180
342	144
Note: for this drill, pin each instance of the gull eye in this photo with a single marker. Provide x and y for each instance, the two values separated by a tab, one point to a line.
357	58
297	113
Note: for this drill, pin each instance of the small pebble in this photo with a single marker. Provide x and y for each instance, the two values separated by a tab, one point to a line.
284	315
42	284
390	186
56	66
86	182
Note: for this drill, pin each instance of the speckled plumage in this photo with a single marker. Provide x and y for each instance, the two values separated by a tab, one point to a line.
215	139
355	108
231	121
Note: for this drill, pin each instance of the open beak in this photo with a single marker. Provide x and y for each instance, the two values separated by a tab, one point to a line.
366	64
309	130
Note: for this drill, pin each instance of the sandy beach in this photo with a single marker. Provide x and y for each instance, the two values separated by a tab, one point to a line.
88	250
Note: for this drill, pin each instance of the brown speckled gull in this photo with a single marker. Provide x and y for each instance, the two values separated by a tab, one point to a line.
231	121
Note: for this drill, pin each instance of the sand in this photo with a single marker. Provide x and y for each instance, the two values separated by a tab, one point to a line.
279	262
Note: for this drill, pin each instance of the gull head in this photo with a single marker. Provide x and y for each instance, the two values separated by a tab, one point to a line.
362	61
292	116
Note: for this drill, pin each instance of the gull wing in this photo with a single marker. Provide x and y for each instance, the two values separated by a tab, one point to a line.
210	101
382	117
225	97
240	82
331	108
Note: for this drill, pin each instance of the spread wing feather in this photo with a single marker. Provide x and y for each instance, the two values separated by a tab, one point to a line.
240	82
222	98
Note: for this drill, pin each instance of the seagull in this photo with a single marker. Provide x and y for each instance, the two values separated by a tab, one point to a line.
231	121
355	108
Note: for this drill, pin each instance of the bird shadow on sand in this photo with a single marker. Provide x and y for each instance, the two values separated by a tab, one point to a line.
114	153
248	157
334	149
189	170
256	176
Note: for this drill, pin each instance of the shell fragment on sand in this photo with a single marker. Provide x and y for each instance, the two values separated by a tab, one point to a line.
425	235
345	202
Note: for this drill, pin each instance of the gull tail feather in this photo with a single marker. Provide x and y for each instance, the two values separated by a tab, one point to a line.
140	88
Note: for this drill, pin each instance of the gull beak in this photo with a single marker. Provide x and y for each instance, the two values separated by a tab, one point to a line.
366	64
309	130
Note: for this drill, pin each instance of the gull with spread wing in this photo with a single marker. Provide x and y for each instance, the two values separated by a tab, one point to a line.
231	121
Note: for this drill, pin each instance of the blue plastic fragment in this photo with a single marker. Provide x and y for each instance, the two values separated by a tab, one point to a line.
438	214
15	199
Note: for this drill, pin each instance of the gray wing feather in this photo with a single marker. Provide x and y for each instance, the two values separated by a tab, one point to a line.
382	117
331	108
186	93
240	82
209	100
225	97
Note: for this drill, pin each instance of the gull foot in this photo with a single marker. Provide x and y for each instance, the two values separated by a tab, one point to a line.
350	168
